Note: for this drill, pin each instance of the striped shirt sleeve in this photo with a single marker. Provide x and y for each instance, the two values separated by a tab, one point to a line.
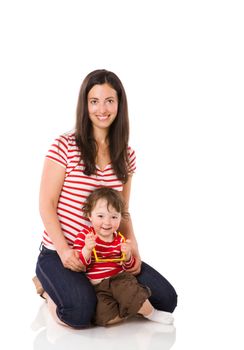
58	152
132	161
129	264
79	244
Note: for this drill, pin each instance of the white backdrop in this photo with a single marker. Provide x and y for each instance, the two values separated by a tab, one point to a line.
181	63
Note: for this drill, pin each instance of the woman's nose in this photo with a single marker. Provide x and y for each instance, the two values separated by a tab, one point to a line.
102	107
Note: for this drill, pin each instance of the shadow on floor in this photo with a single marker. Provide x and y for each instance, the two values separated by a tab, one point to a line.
134	334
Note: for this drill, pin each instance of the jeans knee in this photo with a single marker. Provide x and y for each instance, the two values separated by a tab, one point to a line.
172	301
77	316
165	302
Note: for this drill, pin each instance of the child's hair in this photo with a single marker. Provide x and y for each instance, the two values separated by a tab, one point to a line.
112	197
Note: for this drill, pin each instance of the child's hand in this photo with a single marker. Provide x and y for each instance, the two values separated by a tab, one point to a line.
90	241
126	248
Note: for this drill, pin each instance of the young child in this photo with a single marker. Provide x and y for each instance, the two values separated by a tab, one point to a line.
107	256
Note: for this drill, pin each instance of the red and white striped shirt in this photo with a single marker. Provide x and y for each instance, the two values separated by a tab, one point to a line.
97	270
77	186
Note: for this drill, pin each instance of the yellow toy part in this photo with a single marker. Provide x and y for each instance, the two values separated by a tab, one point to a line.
122	258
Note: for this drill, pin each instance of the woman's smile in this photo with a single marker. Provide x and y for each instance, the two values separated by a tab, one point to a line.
103	117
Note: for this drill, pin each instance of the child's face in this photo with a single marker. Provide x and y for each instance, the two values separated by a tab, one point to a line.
105	220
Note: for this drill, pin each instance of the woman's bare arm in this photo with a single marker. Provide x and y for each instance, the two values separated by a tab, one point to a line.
126	227
51	185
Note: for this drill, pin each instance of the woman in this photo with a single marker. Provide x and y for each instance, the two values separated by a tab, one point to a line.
95	155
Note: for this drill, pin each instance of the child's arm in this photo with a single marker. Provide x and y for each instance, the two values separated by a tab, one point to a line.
126	248
90	243
83	244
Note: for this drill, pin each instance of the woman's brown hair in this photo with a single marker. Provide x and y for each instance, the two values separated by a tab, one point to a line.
118	131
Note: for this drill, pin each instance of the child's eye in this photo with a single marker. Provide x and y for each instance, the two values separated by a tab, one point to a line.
100	216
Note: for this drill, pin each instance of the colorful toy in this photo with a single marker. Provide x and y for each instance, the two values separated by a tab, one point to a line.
122	258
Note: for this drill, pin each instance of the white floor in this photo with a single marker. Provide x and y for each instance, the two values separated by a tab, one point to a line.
134	334
28	325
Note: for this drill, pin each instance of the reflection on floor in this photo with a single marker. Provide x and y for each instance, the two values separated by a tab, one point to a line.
135	334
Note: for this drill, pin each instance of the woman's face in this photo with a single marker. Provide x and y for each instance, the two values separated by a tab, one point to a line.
102	105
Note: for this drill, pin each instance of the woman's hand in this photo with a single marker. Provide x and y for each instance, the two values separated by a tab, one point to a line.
136	269
70	259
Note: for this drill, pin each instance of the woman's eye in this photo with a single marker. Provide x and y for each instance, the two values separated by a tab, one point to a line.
110	101
93	102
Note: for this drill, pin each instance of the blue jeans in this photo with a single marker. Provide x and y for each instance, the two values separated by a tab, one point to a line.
75	296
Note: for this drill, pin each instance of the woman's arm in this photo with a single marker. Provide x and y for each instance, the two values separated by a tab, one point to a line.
126	228
51	185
